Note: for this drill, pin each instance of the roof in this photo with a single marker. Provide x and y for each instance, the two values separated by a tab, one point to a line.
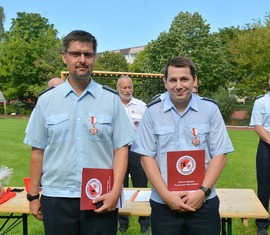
126	51
64	74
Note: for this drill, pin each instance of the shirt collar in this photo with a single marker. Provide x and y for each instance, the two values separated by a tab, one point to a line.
91	88
131	102
193	103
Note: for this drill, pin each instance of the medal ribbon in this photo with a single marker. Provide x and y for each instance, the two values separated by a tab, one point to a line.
195	141
93	120
194	132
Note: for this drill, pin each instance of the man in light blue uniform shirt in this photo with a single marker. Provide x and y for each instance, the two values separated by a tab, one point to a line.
260	119
171	124
78	124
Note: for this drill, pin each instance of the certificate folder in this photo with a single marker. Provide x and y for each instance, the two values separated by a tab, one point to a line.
185	169
95	182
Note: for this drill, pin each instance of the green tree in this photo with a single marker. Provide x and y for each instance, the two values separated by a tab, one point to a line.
226	102
250	52
30	56
190	36
111	61
2	20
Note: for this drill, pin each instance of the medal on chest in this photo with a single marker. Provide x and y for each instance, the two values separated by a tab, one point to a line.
93	130
195	141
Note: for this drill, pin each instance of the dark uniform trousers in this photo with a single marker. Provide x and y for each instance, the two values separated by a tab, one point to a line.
62	216
205	221
263	179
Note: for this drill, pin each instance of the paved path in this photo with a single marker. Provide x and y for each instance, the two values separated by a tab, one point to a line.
240	128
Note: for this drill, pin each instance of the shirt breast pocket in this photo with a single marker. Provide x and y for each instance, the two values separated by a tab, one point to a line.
164	137
99	127
136	118
58	128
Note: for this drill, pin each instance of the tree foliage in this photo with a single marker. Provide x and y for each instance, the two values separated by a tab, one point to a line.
30	56
2	20
190	36
250	52
238	58
226	102
111	61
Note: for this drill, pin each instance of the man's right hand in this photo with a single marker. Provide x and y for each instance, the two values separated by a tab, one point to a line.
35	209
175	200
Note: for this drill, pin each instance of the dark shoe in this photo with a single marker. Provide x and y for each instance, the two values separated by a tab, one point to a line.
262	231
145	229
123	228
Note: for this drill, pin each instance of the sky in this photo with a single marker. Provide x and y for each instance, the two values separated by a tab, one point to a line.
121	24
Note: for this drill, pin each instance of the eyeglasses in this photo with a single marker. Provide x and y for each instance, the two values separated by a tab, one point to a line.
77	54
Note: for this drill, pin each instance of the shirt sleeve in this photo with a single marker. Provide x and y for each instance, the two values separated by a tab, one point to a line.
35	132
123	132
256	115
145	143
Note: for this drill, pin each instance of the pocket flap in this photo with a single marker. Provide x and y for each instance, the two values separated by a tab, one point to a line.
164	130
56	119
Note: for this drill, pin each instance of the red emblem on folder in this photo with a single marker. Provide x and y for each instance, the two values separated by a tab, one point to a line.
186	165
93	188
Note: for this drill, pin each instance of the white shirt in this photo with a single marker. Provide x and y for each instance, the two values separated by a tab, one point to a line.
261	112
135	109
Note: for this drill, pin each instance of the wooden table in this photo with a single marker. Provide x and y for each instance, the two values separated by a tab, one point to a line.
18	207
239	203
234	203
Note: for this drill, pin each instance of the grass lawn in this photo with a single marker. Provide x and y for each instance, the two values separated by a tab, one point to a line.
239	171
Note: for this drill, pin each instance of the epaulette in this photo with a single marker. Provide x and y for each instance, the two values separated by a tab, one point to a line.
207	99
157	100
260	96
110	89
41	93
156	96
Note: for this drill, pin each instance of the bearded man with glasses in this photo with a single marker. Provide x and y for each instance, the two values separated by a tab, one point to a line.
78	124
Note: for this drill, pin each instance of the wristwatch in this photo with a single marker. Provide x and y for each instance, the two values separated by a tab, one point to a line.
31	198
207	191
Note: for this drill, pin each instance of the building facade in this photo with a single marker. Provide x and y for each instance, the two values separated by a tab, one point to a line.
129	53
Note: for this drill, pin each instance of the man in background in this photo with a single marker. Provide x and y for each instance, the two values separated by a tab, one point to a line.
195	90
54	82
134	109
260	119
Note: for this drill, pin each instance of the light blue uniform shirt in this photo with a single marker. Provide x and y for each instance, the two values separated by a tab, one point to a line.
61	123
261	112
163	129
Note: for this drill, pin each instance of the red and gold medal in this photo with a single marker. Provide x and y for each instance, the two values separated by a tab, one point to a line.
93	130
195	141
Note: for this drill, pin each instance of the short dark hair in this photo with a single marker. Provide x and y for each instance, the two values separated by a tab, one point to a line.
180	62
81	36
